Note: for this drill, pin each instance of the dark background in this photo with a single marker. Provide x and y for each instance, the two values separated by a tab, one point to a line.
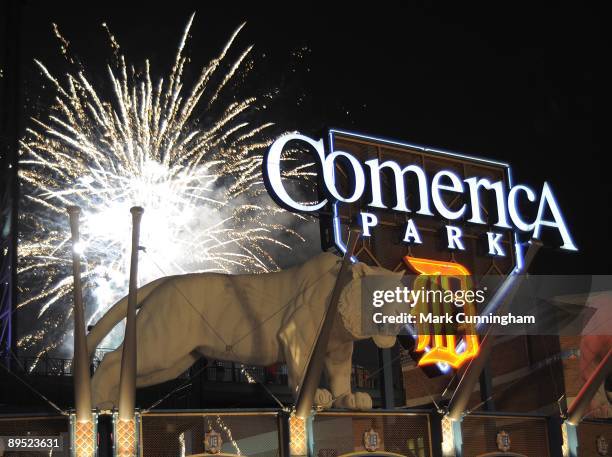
523	85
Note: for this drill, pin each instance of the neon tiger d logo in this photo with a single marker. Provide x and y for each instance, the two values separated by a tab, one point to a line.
435	274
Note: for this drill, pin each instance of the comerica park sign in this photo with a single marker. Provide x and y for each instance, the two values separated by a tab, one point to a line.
449	218
404	185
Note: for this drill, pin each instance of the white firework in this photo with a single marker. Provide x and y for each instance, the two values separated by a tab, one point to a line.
146	144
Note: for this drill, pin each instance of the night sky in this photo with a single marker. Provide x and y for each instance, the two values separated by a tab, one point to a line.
523	85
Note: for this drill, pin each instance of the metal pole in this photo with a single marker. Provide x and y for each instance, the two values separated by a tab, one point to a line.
127	380
386	388
471	376
80	374
10	123
282	421
582	400
466	386
555	436
314	368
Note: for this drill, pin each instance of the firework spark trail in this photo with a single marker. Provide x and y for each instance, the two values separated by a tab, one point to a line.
146	145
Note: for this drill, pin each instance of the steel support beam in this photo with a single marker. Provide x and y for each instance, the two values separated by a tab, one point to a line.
580	404
471	376
451	423
10	91
314	368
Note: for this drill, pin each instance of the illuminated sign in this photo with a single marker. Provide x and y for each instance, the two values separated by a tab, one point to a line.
435	274
437	213
416	191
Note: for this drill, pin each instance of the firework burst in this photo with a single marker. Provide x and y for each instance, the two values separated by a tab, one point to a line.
145	144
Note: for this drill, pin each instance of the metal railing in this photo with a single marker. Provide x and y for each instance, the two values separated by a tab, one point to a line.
48	366
216	371
222	371
45	366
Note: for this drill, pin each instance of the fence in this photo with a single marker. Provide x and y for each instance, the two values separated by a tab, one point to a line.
489	434
339	433
261	433
36	426
594	438
247	433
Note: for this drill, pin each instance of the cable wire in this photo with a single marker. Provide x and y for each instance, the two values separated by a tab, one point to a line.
53	405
